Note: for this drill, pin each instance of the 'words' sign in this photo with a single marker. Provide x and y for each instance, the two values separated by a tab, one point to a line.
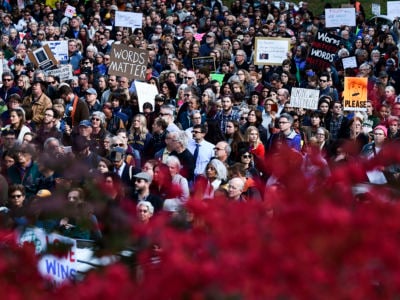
129	62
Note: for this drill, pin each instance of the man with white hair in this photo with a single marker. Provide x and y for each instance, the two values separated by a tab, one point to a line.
179	145
145	211
235	189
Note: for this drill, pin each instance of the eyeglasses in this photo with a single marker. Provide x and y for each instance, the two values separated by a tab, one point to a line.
189	78
246	156
282	122
117	145
7	79
322	80
86	63
82	78
118	34
217	149
195	132
162	115
50	82
143	210
16	196
243	118
186	95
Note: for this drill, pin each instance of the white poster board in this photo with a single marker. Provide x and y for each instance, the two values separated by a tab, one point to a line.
128	19
59	49
304	98
349	62
64	72
393	9
336	17
70	11
376	9
271	51
146	93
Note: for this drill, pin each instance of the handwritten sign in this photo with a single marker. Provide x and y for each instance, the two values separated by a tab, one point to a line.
59	49
204	61
271	51
43	58
128	61
62	268
376	9
146	93
336	17
304	98
349	62
393	9
355	93
70	11
64	72
128	19
323	49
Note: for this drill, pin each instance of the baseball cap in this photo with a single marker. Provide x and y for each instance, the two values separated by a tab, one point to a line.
85	123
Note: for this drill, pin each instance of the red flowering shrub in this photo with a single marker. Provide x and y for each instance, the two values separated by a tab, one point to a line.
299	243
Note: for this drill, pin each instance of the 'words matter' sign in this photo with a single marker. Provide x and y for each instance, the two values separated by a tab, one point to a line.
129	62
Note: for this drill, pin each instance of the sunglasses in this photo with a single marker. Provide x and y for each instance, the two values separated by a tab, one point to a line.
95	119
16	196
247	156
117	145
7	79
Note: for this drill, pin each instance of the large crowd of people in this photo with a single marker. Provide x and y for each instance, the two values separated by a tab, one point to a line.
71	138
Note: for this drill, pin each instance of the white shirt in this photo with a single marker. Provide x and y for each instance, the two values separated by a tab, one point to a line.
206	152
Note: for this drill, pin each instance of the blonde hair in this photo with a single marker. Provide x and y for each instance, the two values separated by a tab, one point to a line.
142	131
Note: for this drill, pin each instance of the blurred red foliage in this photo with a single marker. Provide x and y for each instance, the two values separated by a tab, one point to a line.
323	243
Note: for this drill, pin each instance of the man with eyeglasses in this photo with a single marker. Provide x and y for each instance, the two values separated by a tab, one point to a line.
8	88
91	100
201	149
167	113
241	60
48	129
325	88
142	193
25	171
285	135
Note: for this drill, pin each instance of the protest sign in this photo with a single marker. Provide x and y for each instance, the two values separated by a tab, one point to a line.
323	49
376	9
304	98
204	61
129	62
146	93
64	72
336	17
59	49
128	19
218	77
271	51
393	9
59	268
42	58
199	36
70	11
349	62
355	93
